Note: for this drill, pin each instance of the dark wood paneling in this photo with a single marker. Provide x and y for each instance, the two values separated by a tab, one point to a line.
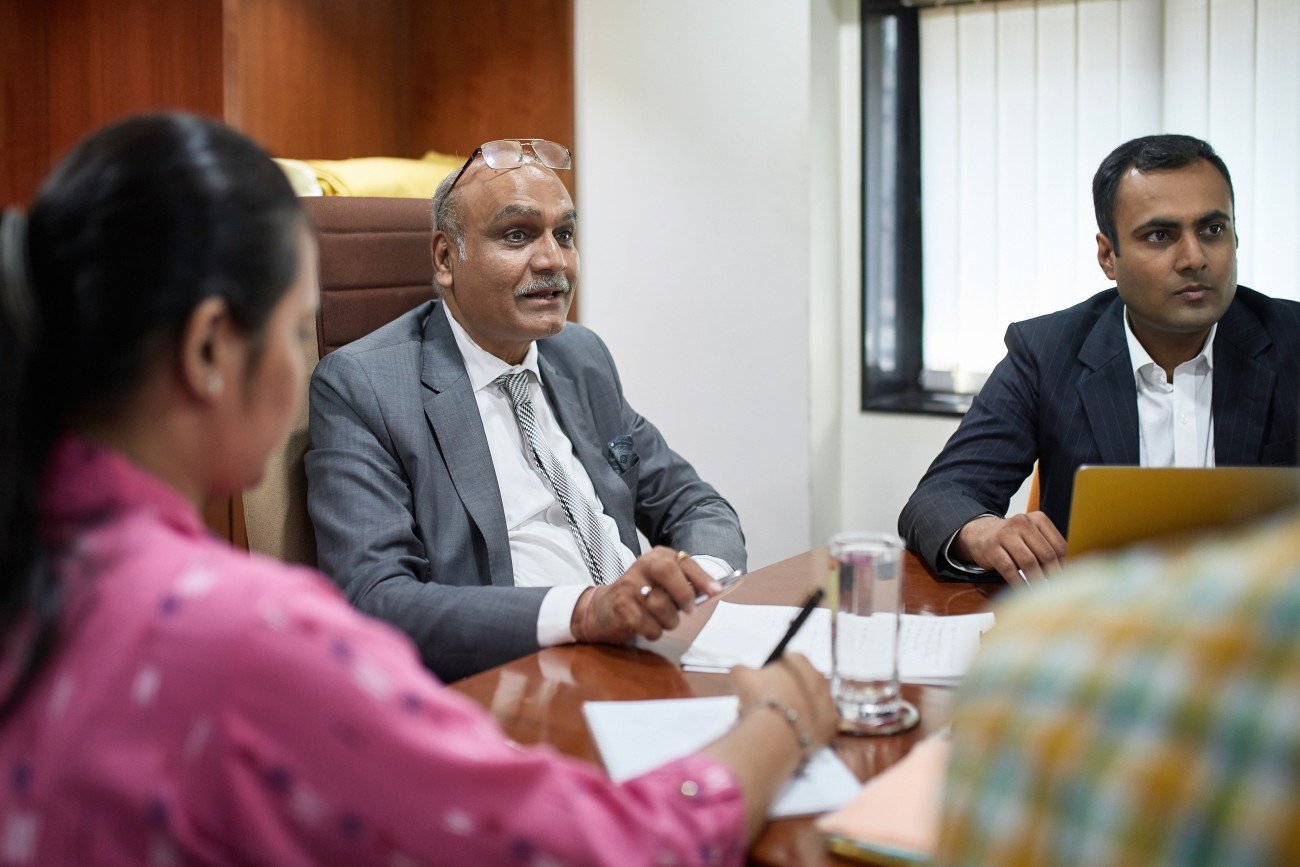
225	518
308	78
24	101
238	526
112	58
216	514
322	79
490	69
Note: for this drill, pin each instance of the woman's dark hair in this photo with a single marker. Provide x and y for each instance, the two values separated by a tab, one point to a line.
139	224
1147	154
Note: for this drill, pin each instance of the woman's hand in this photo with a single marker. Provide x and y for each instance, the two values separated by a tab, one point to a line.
793	683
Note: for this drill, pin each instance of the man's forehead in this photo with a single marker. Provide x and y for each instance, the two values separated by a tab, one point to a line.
497	187
1188	192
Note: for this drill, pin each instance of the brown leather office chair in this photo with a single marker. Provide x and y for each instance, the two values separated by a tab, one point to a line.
374	266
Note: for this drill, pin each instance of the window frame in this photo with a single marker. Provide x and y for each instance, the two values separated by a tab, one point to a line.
892	320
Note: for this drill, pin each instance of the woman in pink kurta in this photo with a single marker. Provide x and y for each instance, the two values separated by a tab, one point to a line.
169	700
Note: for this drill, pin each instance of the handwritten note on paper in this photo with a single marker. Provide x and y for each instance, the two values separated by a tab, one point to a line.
637	736
931	649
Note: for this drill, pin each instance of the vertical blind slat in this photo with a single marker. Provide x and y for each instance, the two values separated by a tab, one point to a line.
1021	100
939	131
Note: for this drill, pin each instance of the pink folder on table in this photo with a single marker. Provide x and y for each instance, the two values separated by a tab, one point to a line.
895	818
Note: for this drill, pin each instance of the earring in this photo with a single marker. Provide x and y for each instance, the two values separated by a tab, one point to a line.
215	385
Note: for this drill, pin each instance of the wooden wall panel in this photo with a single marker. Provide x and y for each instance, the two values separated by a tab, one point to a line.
308	78
111	58
217	515
24	101
490	69
323	79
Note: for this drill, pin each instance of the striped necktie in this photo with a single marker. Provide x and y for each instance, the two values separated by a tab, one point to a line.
597	551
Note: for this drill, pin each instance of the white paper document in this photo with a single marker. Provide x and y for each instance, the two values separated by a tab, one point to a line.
931	649
637	736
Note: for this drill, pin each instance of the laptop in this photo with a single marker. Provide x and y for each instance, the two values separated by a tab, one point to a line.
1117	506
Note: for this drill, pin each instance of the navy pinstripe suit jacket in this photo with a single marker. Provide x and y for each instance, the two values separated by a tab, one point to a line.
1064	396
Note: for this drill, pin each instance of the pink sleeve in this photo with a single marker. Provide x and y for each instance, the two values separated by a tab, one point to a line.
336	746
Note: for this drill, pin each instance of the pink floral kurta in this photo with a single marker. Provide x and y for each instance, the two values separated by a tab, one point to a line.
205	706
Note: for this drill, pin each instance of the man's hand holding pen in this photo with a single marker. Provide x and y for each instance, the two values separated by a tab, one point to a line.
647	600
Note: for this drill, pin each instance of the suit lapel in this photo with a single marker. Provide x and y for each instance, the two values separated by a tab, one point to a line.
576	420
458	432
1107	391
1243	387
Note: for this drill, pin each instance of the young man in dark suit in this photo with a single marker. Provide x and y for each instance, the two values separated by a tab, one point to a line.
1177	365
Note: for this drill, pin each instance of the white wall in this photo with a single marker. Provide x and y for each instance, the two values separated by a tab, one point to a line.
692	160
717	173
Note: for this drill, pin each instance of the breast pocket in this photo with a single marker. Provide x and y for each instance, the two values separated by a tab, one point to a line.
621	455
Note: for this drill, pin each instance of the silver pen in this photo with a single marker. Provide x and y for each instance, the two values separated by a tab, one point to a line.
726	581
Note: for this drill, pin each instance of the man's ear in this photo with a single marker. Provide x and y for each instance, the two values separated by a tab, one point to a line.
442	249
1106	256
207	350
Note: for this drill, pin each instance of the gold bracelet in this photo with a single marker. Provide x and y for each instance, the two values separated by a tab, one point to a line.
791	716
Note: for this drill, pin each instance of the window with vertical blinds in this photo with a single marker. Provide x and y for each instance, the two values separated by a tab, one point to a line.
1020	101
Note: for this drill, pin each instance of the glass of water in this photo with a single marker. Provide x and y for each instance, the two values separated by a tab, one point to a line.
866	596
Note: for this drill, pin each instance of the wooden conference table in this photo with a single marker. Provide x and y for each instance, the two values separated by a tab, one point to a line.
538	699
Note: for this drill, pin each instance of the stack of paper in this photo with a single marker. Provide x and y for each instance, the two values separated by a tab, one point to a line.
932	650
637	736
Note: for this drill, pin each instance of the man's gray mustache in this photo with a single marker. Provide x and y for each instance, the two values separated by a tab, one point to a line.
559	281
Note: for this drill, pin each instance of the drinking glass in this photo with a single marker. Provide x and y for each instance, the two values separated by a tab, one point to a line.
866	594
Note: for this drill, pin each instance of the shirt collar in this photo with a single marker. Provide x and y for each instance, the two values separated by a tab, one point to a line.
482	366
85	482
1140	358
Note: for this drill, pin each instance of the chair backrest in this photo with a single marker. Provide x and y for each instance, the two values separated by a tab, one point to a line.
375	263
374	266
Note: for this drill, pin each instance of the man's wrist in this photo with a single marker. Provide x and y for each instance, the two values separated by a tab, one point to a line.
953	559
555	617
579	625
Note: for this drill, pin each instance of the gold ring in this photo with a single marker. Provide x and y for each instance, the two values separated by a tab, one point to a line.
682	555
646	589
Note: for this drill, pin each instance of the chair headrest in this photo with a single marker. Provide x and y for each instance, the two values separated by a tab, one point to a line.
375	263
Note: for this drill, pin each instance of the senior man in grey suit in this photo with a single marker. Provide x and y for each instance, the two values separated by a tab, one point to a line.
476	476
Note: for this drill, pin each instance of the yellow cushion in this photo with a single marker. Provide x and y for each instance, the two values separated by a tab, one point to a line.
301	177
384	176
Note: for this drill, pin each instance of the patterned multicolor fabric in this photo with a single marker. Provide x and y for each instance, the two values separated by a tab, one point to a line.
205	706
1141	710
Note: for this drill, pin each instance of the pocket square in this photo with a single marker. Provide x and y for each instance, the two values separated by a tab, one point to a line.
621	454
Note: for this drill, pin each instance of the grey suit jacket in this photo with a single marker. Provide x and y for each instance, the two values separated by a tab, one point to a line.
1065	396
405	501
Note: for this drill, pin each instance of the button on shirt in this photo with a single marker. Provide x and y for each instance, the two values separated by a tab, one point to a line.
543	550
1175	427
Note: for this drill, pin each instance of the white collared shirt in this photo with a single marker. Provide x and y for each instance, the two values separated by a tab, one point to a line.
1175	426
543	550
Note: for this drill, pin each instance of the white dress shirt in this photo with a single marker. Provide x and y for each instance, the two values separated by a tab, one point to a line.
543	550
1175	427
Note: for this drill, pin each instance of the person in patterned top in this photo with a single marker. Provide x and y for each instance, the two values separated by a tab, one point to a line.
166	699
1139	710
